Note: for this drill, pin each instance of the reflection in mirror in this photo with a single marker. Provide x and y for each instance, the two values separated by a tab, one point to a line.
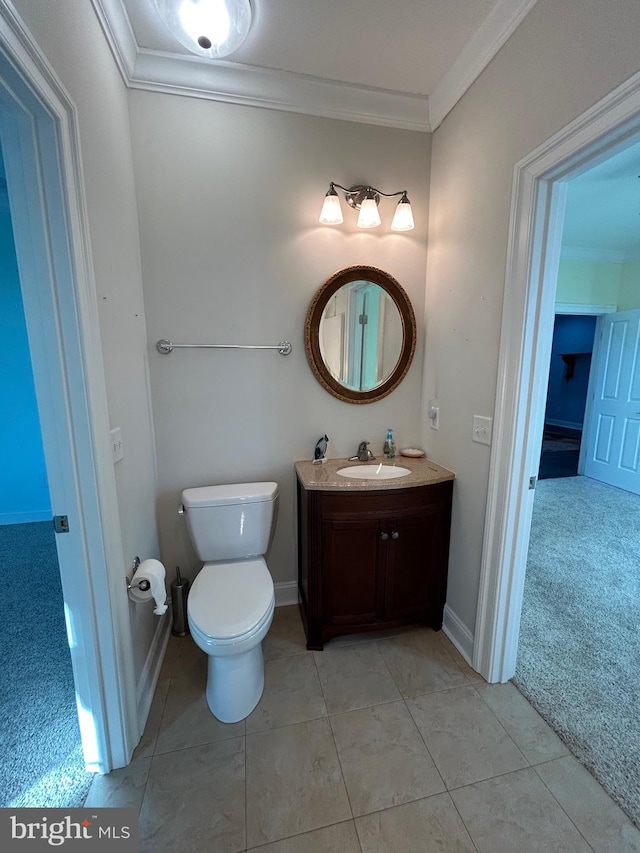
360	334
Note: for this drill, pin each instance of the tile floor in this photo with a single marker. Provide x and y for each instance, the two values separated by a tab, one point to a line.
387	744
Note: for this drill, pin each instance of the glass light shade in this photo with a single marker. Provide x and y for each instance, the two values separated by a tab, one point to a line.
331	213
403	217
368	216
212	28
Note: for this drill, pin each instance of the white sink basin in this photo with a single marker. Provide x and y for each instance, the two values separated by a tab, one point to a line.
373	472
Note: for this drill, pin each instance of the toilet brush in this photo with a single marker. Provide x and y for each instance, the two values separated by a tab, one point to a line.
179	593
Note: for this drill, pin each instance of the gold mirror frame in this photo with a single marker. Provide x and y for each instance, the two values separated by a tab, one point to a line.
312	333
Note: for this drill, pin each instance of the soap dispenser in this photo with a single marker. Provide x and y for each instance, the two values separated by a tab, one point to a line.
389	447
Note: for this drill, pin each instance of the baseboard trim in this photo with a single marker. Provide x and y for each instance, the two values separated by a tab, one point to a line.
564	424
286	593
25	517
458	633
151	670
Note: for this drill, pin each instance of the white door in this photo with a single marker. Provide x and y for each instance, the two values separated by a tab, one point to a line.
612	447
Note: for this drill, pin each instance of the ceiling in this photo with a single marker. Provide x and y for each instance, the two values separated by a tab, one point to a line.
411	50
400	63
602	216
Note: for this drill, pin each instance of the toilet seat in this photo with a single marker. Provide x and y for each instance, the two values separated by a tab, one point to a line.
233	646
229	600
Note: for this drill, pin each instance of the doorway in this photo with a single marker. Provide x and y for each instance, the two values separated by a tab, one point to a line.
540	187
40	142
578	626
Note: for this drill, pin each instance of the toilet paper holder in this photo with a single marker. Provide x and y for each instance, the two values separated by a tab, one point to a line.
143	584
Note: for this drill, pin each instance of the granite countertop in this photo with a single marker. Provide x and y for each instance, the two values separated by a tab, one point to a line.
424	472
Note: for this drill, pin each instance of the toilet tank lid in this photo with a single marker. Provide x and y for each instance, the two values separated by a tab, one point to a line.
232	493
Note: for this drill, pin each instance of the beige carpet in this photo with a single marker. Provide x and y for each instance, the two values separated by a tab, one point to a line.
579	651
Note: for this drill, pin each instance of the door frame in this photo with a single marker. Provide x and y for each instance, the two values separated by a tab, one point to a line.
533	255
41	146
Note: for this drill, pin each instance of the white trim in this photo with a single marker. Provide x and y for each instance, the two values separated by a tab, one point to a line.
25	517
150	674
458	633
117	29
232	82
40	141
278	90
583	308
603	256
533	252
564	424
286	593
497	27
508	493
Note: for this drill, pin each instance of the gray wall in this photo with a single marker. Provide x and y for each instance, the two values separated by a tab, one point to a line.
232	252
565	56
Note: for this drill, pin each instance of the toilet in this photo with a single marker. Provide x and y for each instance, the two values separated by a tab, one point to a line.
231	601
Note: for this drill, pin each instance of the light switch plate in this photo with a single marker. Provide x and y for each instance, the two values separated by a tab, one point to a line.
482	428
433	413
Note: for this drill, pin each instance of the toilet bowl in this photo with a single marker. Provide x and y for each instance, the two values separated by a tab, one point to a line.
231	601
230	629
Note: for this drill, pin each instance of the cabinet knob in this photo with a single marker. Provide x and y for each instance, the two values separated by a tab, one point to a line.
395	535
384	536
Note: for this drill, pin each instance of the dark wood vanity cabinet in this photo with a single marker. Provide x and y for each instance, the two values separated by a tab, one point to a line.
369	560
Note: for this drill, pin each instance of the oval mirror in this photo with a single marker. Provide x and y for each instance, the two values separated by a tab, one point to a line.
360	334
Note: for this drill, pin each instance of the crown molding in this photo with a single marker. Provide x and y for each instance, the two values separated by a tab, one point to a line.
497	27
279	90
282	90
119	34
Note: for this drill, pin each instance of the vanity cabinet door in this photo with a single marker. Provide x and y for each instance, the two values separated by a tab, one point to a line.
413	566
352	586
372	560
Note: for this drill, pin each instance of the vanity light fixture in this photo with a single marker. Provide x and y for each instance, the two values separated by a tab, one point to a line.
212	28
365	200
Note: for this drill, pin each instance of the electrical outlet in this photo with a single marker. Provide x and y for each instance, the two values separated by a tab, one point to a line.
117	445
433	413
482	429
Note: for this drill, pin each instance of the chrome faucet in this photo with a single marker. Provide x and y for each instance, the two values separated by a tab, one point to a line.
363	454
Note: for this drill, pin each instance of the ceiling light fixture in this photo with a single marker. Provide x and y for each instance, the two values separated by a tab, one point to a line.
212	28
366	199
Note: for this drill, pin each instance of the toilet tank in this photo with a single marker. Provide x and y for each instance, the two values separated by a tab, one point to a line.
231	522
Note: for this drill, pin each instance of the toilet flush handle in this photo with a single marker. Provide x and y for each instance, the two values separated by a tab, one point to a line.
180	509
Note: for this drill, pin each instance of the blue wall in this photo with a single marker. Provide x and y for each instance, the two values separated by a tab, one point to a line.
566	398
24	492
